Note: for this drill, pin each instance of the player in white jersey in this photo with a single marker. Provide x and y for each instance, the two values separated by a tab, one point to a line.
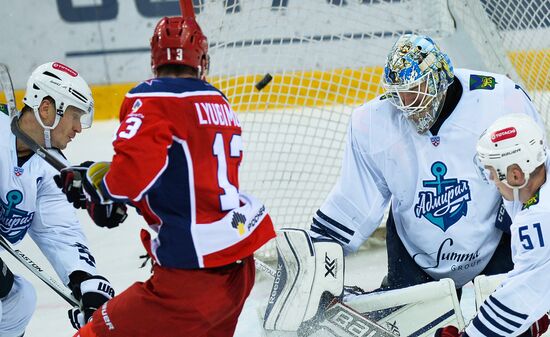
414	146
513	152
58	104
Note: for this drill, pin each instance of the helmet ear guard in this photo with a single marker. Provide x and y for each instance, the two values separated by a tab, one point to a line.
514	139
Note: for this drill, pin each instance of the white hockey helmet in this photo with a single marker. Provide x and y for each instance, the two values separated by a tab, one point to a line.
512	139
65	86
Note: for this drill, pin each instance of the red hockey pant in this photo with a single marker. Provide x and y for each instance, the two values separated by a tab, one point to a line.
177	303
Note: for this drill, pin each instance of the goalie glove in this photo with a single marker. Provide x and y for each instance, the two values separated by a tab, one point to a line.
92	292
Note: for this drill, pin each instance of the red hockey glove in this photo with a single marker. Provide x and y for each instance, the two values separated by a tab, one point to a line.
110	215
449	331
104	212
69	180
81	185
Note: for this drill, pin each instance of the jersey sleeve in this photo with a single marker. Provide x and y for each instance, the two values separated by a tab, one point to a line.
518	101
522	298
57	232
355	206
141	146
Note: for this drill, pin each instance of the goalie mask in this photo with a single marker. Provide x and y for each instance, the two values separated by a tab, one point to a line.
178	40
512	139
416	77
66	87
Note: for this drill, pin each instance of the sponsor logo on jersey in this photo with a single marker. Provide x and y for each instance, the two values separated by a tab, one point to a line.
503	134
532	201
238	222
14	222
444	255
4	109
448	203
18	171
482	82
435	140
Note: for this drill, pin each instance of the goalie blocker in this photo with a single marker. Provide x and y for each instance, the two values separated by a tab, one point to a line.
307	293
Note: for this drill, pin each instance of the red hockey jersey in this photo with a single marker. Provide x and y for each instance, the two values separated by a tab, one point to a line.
177	156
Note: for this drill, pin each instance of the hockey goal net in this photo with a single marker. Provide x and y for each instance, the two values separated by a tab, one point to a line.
325	57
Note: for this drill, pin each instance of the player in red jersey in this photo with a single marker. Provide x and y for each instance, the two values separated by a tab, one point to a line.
177	156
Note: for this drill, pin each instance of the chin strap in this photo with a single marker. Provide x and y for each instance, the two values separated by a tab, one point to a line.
47	139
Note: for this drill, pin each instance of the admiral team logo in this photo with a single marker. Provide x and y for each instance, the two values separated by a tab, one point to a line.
14	222
448	203
238	222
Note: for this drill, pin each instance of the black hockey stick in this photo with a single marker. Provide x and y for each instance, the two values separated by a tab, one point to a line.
60	289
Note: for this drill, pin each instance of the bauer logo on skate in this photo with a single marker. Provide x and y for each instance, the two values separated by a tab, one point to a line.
449	202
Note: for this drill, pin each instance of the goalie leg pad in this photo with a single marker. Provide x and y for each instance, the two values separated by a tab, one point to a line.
413	311
308	276
293	280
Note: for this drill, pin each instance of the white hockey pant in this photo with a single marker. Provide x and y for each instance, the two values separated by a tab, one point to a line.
16	308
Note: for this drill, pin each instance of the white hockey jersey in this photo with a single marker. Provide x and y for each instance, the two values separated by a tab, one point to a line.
444	209
524	295
30	202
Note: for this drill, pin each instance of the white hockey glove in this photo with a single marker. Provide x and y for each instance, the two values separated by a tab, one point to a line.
92	293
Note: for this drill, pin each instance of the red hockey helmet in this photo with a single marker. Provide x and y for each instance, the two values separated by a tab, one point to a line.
178	40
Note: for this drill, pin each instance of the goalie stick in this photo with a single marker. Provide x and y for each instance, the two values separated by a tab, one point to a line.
61	290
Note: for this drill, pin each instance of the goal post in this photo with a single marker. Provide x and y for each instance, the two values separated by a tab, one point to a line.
325	57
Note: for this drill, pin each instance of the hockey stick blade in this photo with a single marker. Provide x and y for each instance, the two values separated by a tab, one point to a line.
7	88
61	290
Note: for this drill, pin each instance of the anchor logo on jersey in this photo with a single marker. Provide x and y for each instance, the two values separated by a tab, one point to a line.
14	222
448	203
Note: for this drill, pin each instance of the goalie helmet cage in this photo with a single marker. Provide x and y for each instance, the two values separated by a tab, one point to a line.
326	57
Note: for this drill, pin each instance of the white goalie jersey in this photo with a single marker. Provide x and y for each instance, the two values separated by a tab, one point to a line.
30	202
443	207
524	295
